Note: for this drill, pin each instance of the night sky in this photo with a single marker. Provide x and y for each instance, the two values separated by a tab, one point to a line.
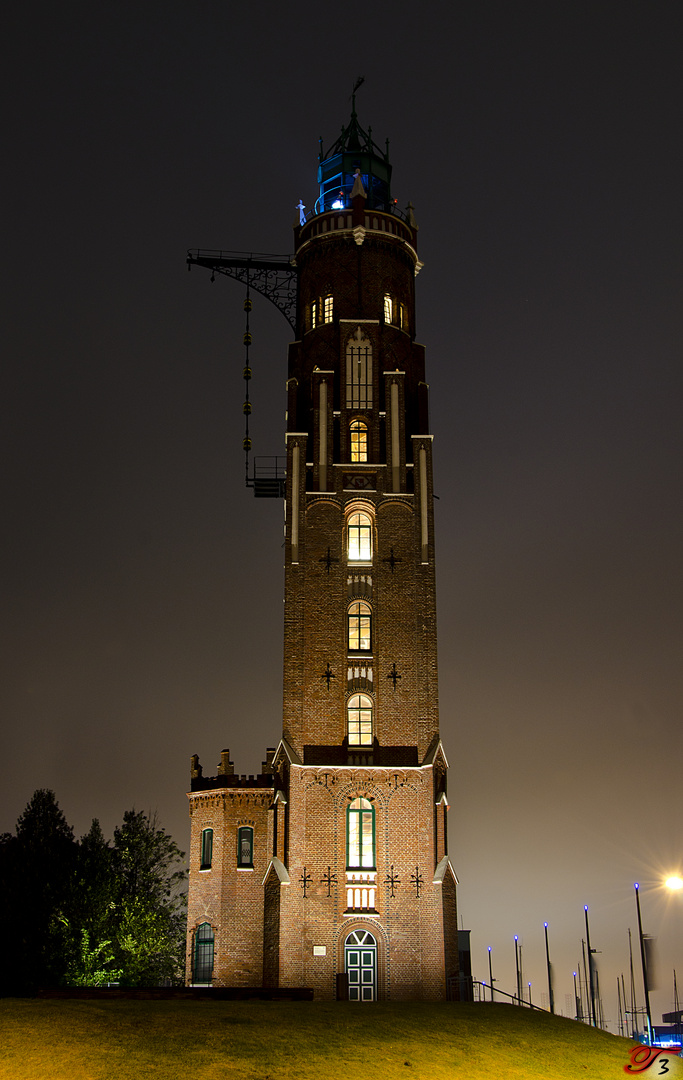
141	612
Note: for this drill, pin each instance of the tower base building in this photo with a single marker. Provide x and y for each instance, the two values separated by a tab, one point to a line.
330	869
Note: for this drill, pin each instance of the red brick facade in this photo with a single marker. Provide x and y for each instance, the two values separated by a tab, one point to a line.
350	874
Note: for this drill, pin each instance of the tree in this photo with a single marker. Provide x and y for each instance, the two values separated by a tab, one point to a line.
37	867
89	912
151	902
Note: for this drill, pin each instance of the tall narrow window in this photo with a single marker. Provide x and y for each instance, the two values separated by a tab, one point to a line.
358	372
203	954
388	308
245	848
314	314
360	624
360	835
328	307
359	440
360	538
207	849
359	720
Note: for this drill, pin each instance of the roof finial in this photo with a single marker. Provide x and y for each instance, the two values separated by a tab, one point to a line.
356	86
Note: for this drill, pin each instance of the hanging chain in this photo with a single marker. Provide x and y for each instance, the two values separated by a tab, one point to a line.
246	408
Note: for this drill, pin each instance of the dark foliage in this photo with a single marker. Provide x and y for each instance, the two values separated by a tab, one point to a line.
84	912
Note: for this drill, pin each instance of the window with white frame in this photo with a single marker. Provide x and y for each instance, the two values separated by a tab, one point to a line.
245	847
359	440
207	849
202	966
359	626
360	538
360	835
359	720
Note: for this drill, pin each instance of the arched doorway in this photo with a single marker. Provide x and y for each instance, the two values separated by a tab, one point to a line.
360	964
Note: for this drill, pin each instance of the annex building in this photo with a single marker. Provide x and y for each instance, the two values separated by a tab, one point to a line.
330	869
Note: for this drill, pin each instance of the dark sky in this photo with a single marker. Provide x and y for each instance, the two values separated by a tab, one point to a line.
142	584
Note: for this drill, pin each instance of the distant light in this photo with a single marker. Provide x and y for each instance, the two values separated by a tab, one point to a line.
489	948
337	205
546	925
674	882
585	906
516	937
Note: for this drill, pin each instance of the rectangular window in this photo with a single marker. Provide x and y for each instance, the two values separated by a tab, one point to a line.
203	954
360	836
207	849
245	848
327	309
358	372
388	308
314	314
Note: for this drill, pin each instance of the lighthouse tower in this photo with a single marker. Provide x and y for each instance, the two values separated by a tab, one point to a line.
330	869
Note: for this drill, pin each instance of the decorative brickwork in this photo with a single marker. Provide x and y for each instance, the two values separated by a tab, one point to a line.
351	887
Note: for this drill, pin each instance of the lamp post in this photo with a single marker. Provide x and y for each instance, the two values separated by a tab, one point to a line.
490	974
550	977
591	986
519	984
644	966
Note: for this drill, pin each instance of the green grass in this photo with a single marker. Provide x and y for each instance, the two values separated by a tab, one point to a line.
217	1040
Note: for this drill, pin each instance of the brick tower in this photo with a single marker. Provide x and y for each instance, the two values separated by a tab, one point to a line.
330	869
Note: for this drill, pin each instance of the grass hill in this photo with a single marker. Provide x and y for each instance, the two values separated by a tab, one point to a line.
46	1039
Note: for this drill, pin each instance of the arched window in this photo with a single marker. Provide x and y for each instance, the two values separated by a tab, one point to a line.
360	627
245	847
202	968
359	441
359	720
360	538
358	372
207	849
360	835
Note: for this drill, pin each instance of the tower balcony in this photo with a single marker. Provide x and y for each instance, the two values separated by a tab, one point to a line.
345	219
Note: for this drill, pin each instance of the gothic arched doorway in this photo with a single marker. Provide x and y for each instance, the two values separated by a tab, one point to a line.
360	964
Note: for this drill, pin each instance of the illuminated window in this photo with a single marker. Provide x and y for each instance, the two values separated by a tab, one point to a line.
202	967
207	849
245	847
359	441
358	372
322	311
359	720
360	835
360	620
388	308
360	538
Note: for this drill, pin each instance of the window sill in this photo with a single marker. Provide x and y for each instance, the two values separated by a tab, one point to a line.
367	913
205	869
245	869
